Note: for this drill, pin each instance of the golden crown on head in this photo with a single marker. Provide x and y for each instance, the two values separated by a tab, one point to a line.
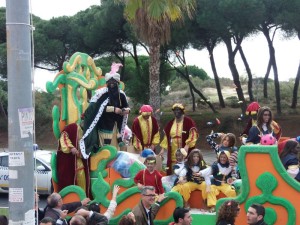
178	105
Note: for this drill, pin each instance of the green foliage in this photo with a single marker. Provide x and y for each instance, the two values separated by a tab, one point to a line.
2	25
3	96
232	102
137	86
43	107
194	71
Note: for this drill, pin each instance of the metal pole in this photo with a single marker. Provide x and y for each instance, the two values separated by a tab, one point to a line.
20	113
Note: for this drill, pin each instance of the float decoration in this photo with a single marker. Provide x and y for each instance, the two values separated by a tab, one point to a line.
266	181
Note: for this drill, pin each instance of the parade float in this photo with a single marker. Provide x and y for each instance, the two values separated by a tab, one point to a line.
264	179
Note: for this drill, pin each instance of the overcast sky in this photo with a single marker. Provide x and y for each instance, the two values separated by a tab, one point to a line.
255	48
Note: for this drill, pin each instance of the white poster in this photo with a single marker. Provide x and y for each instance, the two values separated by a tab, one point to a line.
16	195
29	217
13	174
26	118
16	159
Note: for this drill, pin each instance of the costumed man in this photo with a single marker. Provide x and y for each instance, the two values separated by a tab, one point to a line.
145	130
106	114
180	132
72	169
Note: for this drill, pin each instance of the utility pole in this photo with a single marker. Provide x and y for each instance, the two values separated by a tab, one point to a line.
20	113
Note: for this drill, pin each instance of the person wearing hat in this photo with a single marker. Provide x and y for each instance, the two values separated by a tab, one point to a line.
179	168
145	130
180	132
222	179
106	114
251	111
72	168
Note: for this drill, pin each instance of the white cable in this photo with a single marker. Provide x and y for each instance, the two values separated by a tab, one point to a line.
33	105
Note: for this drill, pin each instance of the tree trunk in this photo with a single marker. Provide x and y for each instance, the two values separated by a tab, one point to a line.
2	111
187	78
193	98
187	75
217	81
295	90
235	74
154	82
266	80
250	80
274	66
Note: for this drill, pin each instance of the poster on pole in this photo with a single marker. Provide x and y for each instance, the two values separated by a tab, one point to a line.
16	159
26	117
16	195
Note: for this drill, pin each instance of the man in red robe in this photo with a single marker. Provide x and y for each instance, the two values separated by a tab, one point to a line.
72	169
145	130
180	132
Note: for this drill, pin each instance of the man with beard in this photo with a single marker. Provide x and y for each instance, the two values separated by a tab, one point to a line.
145	130
106	114
180	132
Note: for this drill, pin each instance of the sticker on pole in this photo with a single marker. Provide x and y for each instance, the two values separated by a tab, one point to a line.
26	117
16	159
16	195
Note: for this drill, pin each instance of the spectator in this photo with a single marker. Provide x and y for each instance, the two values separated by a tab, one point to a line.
228	212
289	158
181	216
145	130
149	176
180	132
256	214
128	219
147	208
39	212
94	217
78	220
47	221
56	210
3	220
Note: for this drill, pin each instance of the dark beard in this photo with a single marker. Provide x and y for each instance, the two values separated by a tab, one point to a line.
114	96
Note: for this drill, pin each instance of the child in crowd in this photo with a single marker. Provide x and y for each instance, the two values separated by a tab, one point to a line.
227	144
179	167
221	182
150	176
290	160
196	176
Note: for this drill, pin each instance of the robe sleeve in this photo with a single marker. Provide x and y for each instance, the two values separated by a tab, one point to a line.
193	136
164	142
156	138
206	174
65	142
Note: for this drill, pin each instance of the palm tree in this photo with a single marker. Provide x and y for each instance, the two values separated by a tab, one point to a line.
152	21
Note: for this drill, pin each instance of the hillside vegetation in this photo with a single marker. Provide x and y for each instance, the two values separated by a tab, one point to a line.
230	117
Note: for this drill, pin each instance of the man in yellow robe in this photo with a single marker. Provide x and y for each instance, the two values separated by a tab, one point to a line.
180	132
145	130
